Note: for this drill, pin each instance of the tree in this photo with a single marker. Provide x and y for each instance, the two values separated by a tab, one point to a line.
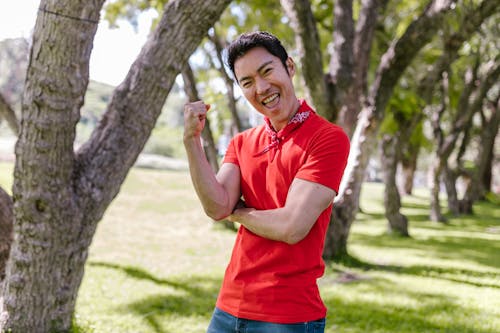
446	142
59	196
392	64
408	115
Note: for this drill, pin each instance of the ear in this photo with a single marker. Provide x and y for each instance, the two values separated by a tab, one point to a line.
290	66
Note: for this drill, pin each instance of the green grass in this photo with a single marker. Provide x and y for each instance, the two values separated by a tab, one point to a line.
156	265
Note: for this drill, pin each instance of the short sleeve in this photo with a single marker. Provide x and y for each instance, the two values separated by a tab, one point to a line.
326	158
231	156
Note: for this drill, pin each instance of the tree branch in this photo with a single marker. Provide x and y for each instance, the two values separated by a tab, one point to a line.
400	54
342	60
105	160
310	57
469	25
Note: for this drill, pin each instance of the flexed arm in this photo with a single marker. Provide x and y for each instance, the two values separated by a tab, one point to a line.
218	193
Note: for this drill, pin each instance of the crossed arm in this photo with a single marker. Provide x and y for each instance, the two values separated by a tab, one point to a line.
291	223
220	192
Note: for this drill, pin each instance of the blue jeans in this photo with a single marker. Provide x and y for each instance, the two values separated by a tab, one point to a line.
223	322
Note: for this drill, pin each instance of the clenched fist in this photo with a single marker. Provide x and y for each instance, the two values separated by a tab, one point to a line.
195	114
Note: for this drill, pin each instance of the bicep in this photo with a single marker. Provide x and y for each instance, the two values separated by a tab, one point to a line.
229	177
306	200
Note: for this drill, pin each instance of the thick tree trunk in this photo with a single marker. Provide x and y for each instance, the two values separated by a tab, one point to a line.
397	222
60	197
6	220
46	264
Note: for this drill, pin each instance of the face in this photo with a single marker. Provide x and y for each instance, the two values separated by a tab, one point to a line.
267	85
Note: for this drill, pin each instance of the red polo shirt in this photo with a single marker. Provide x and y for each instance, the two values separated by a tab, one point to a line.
270	280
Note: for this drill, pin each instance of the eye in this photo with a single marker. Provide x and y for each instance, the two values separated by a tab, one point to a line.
246	84
268	70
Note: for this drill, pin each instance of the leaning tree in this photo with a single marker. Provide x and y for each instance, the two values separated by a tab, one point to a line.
344	88
60	195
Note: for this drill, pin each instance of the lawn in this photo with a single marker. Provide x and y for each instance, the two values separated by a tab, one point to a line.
156	264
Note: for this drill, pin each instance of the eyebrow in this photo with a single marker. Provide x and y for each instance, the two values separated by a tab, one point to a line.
258	70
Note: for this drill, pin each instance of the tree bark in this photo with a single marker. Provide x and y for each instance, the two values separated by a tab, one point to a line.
409	166
363	40
6	226
450	177
59	196
320	89
46	241
397	222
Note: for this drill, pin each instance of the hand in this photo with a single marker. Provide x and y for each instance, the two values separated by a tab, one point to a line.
240	209
239	204
195	114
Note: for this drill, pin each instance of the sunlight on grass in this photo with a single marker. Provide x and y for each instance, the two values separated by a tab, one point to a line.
156	265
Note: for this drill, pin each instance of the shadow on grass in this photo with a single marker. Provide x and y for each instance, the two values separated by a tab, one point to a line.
458	275
395	309
470	246
192	296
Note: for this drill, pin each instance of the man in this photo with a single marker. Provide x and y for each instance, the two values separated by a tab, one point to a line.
287	171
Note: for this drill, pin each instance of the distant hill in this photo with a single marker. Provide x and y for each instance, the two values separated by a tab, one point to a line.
13	65
165	140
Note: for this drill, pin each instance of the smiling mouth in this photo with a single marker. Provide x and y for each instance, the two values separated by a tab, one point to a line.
270	99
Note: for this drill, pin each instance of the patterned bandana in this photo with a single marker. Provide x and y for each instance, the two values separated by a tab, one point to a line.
276	138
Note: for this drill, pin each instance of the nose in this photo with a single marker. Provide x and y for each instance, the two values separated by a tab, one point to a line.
261	85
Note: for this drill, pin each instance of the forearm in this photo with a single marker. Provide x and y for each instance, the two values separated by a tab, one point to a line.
275	224
292	222
213	196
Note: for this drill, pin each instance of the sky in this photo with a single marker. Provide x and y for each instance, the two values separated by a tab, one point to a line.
114	49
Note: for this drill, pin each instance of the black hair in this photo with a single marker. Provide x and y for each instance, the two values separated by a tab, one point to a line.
247	41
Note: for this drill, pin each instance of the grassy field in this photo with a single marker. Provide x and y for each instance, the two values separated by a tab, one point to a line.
156	264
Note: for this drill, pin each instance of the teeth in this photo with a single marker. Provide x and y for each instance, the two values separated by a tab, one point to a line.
270	99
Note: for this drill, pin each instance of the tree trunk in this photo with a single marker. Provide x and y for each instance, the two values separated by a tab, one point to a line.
397	222
363	38
59	197
6	220
484	159
409	166
450	182
319	88
392	65
435	213
46	264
